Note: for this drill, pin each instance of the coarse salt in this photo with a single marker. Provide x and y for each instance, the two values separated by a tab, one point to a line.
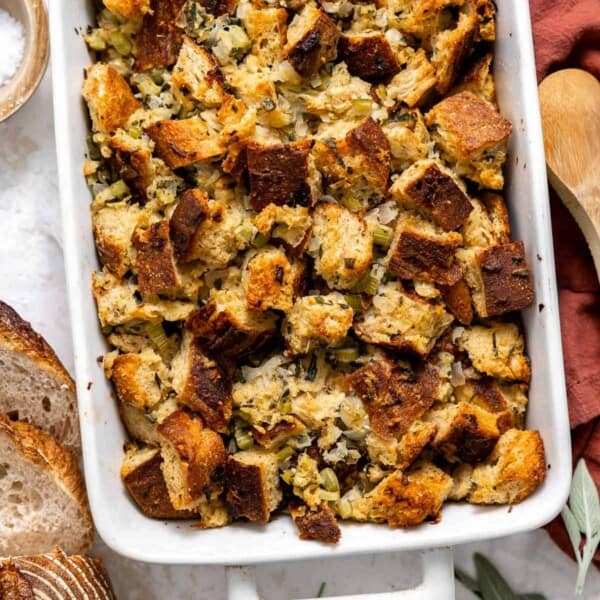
13	44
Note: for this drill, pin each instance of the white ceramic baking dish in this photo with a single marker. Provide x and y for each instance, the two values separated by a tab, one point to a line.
117	519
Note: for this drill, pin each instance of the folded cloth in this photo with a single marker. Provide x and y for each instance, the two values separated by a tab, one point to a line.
567	34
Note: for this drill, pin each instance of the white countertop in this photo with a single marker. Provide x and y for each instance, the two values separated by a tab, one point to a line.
32	281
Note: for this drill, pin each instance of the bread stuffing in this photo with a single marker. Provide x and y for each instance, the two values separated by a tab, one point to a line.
308	281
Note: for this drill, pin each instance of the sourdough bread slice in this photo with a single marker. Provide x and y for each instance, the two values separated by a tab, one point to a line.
34	385
43	503
54	576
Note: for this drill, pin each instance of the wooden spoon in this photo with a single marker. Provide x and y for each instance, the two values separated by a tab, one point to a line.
570	103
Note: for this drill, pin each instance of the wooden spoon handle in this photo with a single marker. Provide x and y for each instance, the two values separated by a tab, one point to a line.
588	220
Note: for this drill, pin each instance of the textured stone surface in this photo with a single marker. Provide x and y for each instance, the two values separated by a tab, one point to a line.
32	280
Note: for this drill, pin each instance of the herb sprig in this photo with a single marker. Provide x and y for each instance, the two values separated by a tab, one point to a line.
582	516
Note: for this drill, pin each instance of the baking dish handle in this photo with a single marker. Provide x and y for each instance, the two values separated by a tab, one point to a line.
437	584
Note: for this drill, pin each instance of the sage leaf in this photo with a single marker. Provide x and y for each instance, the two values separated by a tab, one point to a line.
469	582
584	501
493	585
572	528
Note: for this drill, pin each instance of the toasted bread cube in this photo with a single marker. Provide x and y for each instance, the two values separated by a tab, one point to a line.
196	76
117	303
499	278
457	298
266	29
513	471
408	138
452	46
508	401
315	321
154	260
357	167
472	134
405	499
497	350
368	56
486	9
488	224
478	79
252	482
280	174
462	483
109	98
290	224
272	280
142	475
139	425
465	431
401	322
185	223
415	81
130	9
201	384
137	378
312	39
418	18
113	227
430	188
394	395
274	436
420	250
345	245
183	142
193	459
319	525
159	38
228	327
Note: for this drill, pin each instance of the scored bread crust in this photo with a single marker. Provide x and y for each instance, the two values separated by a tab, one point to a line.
46	453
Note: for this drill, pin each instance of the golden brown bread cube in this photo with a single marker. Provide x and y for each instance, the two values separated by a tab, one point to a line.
415	82
478	78
345	245
419	250
486	9
315	321
193	459
497	350
319	525
196	76
291	224
137	378
513	471
154	260
499	278
142	475
402	322
182	142
274	436
185	223
227	326
279	174
109	98
311	40
405	499
472	135
408	138
130	9
356	169
368	56
452	46
419	18
457	298
252	483
465	432
113	227
201	384
159	38
508	401
394	394
266	28
432	189
272	280
488	224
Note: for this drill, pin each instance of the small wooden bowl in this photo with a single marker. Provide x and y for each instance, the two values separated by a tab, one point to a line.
34	19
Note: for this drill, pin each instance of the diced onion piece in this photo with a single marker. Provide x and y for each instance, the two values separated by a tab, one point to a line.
329	496
119	189
457	376
344	508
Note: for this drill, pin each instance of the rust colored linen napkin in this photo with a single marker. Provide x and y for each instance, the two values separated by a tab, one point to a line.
567	34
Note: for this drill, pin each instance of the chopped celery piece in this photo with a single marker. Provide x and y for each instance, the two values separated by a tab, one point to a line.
261	240
119	189
157	335
382	235
362	106
329	496
344	508
354	301
244	439
285	453
352	204
329	480
121	43
346	355
95	40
